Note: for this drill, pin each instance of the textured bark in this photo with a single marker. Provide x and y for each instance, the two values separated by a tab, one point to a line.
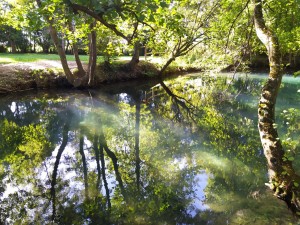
76	54
93	55
163	69
59	47
61	53
77	59
136	56
76	81
282	176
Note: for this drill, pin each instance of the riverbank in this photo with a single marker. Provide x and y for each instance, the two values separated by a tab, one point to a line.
48	74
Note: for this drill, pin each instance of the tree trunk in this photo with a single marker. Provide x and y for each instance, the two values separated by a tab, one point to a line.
34	45
77	59
145	53
13	46
163	69
75	81
135	57
61	53
282	178
76	54
92	55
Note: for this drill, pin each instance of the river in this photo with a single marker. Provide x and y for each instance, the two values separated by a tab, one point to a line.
182	151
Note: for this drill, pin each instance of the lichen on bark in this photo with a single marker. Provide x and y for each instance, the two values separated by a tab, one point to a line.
283	179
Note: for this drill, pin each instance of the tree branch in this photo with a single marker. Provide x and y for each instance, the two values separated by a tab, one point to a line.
233	22
99	17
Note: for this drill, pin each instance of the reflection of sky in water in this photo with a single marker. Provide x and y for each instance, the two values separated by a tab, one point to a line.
67	172
123	97
200	182
70	172
13	107
10	188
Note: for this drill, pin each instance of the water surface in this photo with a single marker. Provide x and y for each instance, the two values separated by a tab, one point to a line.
186	151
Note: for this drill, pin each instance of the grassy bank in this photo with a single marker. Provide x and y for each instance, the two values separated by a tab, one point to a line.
20	72
34	57
6	58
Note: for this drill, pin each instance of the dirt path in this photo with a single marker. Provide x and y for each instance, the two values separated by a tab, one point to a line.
18	76
26	66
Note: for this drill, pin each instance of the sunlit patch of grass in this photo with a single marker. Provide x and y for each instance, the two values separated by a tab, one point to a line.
31	57
34	57
5	60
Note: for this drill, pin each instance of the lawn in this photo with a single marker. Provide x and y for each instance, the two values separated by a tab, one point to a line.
34	57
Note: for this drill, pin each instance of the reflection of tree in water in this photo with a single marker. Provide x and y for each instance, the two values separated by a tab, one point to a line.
134	164
232	136
54	173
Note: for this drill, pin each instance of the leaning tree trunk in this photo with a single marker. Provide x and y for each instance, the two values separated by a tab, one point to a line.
59	47
282	177
76	81
163	69
61	53
76	52
92	55
77	59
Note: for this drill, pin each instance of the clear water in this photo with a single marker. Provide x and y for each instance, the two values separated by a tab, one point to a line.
183	152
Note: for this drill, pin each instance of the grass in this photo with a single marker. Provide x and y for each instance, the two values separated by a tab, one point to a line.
6	58
34	57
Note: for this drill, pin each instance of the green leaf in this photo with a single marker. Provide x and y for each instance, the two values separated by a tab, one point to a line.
296	184
142	17
296	74
163	4
151	18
